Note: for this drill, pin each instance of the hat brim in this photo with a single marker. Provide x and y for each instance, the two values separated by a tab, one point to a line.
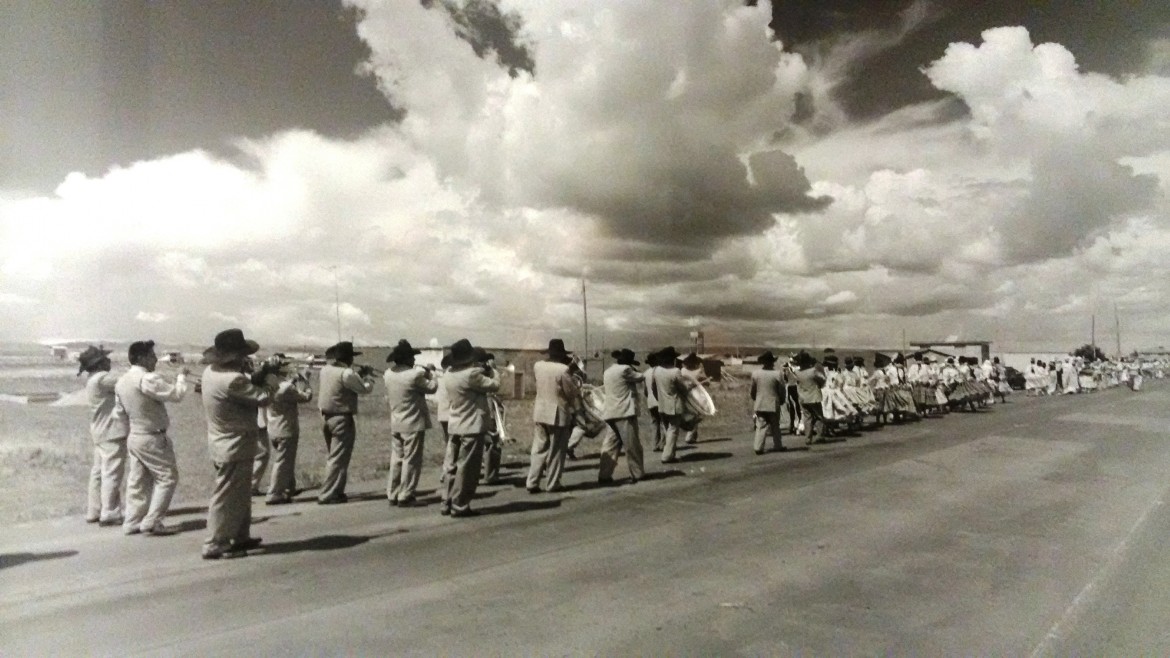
214	355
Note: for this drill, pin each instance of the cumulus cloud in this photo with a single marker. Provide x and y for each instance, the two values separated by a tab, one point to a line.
657	156
654	135
153	317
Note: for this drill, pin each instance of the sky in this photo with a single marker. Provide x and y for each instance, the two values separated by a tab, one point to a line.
830	173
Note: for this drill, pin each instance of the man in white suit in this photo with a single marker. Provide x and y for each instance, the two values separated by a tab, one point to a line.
407	386
621	383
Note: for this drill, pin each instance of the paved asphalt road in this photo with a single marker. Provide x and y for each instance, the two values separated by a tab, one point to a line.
1033	528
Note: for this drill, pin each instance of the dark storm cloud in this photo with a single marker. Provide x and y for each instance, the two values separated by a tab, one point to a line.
96	84
488	30
1109	37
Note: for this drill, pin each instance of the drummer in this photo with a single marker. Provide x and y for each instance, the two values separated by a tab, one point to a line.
621	383
670	388
692	369
651	399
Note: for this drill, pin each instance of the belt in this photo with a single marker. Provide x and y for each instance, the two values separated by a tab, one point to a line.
330	414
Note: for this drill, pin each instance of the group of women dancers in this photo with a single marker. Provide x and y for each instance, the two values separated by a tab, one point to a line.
894	390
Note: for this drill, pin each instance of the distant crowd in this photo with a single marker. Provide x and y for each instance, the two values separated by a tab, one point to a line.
252	412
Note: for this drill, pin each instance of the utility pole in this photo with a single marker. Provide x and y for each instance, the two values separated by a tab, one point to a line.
585	313
336	300
1117	321
1093	337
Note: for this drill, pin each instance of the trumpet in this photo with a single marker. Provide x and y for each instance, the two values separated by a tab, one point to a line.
364	370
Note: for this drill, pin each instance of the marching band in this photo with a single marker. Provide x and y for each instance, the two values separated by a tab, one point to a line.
242	399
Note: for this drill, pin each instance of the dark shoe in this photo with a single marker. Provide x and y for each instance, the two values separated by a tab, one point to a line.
780	449
278	501
113	521
257	492
571	456
605	482
224	554
533	490
335	500
759	452
409	502
463	514
445	511
670	461
93	520
393	502
247	544
492	481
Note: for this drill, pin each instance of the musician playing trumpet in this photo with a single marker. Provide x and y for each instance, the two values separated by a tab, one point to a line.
289	389
468	384
341	384
493	444
407	386
558	397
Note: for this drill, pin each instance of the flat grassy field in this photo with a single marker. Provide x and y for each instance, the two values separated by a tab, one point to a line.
45	451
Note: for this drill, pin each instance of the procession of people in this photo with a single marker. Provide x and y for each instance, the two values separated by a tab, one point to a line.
252	412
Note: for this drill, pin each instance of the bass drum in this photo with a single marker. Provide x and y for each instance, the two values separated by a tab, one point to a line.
700	402
589	417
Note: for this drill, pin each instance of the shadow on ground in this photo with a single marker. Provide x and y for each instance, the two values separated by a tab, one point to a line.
323	543
703	456
16	559
178	511
520	506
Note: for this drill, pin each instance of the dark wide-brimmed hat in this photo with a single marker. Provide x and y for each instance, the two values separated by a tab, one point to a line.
899	358
804	360
667	356
691	360
831	360
848	361
343	351
626	357
766	357
556	349
90	358
229	344
483	356
652	358
462	353
402	352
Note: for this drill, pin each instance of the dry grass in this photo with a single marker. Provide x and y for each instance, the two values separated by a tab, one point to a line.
45	452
